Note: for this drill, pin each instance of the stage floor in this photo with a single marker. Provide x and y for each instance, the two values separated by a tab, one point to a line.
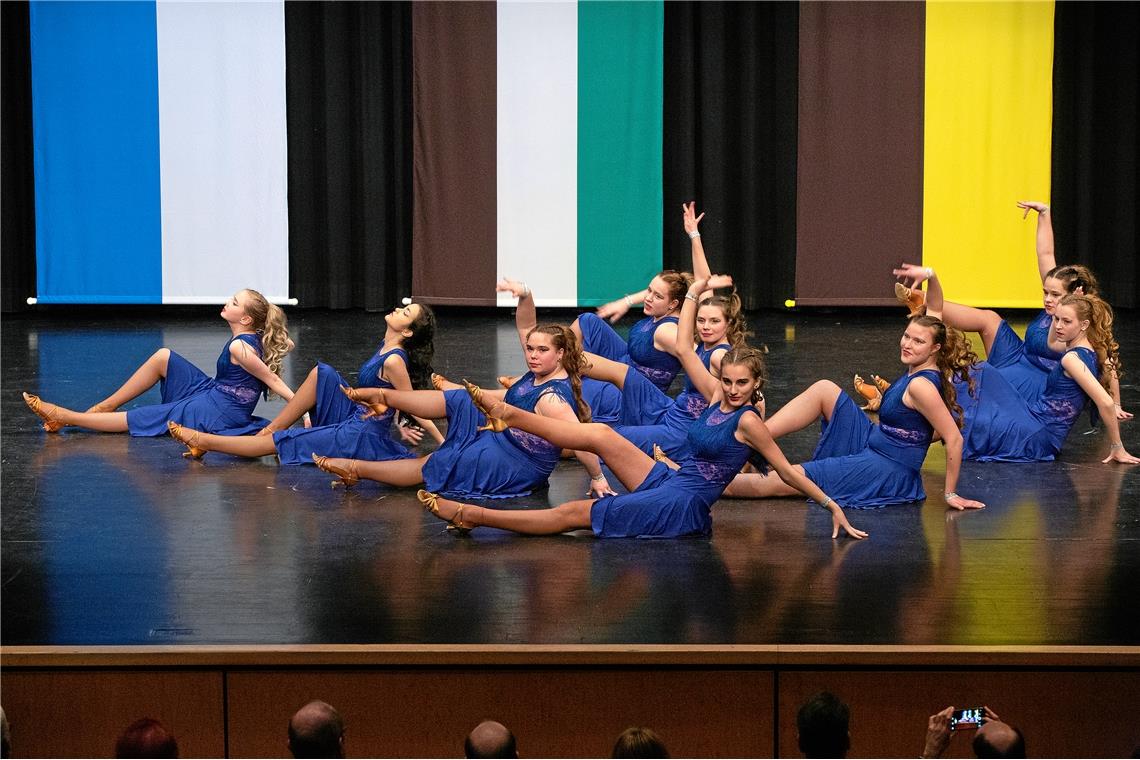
108	539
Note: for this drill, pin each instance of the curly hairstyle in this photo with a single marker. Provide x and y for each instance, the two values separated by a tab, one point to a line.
753	360
954	359
420	347
736	327
1099	315
1074	276
676	284
270	323
573	361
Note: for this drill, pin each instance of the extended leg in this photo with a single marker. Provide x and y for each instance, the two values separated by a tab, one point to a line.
573	515
303	400
428	404
753	485
804	409
967	318
238	445
607	370
398	472
143	379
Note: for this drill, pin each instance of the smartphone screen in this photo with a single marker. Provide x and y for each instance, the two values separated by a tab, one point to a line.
971	717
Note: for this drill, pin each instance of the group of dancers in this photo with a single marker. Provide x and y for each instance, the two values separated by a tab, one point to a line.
588	393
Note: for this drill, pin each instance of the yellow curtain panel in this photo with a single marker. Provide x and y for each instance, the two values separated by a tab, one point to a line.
988	116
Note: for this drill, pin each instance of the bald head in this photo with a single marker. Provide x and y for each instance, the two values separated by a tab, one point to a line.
316	730
997	739
490	739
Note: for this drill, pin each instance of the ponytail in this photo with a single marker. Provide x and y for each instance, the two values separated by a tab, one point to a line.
271	325
573	361
954	359
736	331
1099	333
420	347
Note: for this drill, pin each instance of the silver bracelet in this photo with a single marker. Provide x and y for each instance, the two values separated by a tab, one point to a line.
826	502
694	235
691	297
1113	446
929	272
526	291
599	477
628	302
951	495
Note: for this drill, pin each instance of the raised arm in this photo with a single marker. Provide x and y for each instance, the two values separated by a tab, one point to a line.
923	397
934	296
245	356
1079	371
684	347
526	318
700	263
1046	259
615	310
554	406
755	434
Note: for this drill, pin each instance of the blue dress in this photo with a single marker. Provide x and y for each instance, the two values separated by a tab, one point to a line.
222	404
604	400
660	367
1002	426
669	503
339	428
1025	363
649	416
473	464
862	465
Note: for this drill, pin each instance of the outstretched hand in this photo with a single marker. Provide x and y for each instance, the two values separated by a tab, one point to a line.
960	503
412	434
514	287
839	520
1037	206
913	272
691	218
600	488
1121	414
614	310
1120	455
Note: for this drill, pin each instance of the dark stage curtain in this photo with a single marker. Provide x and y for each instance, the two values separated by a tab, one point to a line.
730	140
349	85
18	200
1095	81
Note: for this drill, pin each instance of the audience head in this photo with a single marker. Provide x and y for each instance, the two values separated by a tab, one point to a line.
146	737
490	739
639	742
822	723
316	730
997	739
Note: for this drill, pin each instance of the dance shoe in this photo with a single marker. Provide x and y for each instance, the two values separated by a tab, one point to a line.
377	408
187	437
430	502
870	392
347	475
912	298
51	424
494	423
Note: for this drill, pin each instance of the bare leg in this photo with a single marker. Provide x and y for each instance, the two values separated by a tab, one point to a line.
143	379
428	404
303	400
238	445
573	515
104	422
753	485
398	472
804	409
607	370
982	321
628	462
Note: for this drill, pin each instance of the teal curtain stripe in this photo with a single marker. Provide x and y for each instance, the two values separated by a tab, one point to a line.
620	95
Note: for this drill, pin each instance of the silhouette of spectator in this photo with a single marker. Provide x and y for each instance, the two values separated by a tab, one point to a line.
5	736
992	739
146	737
316	730
490	739
639	742
823	725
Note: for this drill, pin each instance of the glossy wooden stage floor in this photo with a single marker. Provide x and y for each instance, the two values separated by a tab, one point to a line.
113	540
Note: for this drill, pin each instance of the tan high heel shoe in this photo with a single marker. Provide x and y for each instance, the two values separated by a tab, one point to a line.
868	391
377	408
431	504
347	475
188	438
912	298
507	381
439	382
494	423
659	455
880	383
36	404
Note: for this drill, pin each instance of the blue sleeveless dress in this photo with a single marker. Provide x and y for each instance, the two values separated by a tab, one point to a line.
222	404
669	503
1025	363
604	400
1002	426
649	416
863	465
474	464
659	367
339	429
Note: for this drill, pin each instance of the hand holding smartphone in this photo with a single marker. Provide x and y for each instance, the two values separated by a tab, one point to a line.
970	717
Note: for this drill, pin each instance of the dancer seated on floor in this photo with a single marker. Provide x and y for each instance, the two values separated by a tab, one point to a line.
662	502
1001	424
475	461
248	367
603	398
865	465
339	426
650	348
1026	364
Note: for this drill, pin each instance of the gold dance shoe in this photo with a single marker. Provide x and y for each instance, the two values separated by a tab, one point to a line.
430	502
912	298
496	424
187	437
870	392
347	475
36	404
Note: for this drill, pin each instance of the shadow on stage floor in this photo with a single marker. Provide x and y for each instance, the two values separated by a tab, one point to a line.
109	539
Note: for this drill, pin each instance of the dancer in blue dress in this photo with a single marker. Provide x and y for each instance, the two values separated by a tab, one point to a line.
248	367
1024	363
650	348
340	427
662	502
1002	425
866	465
476	461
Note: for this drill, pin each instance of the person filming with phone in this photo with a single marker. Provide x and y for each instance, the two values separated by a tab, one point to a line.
992	737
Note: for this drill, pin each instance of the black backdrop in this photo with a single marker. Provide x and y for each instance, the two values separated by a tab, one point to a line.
731	74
